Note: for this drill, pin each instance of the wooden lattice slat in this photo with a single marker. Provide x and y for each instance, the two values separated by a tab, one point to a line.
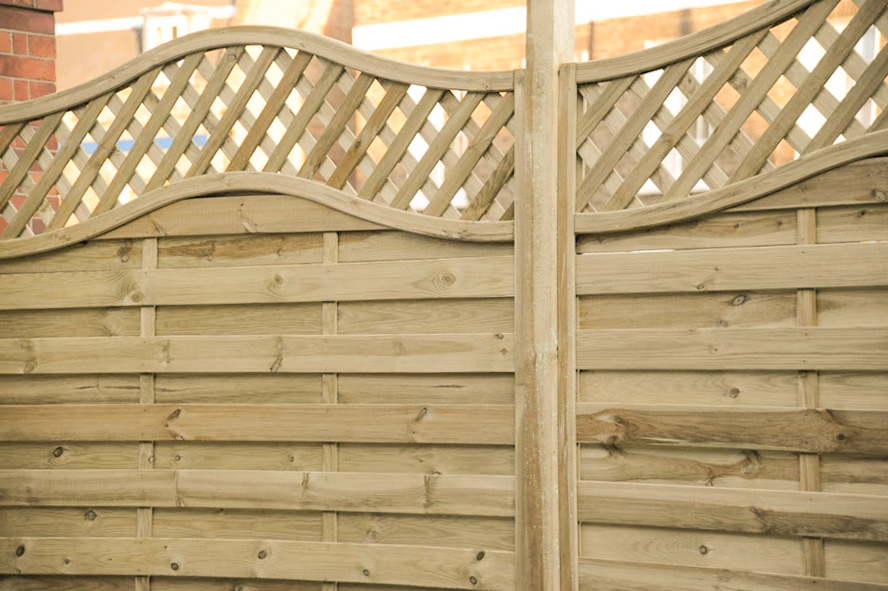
808	90
698	102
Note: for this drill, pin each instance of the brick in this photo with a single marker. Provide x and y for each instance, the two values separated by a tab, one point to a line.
20	43
40	46
5	41
21	89
6	93
28	67
43	5
29	21
39	89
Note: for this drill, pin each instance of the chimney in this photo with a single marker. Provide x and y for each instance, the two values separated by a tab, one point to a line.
27	49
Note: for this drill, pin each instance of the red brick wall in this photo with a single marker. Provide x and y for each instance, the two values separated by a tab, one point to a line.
27	68
27	49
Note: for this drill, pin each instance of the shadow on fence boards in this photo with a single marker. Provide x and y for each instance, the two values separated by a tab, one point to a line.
276	314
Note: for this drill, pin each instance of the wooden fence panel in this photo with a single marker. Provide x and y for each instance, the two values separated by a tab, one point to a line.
696	452
400	469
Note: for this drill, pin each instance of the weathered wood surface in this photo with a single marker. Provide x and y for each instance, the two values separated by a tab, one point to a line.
447	494
734	349
272	559
778	513
803	430
383	280
662	577
729	269
466	353
466	424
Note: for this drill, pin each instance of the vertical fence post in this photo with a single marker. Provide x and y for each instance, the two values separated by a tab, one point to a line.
540	537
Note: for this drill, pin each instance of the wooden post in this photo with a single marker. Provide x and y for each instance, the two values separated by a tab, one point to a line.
540	532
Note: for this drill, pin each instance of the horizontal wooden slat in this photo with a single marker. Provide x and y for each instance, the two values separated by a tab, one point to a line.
772	267
265	319
237	389
445	278
78	322
393	246
247	584
266	559
802	430
65	455
717	231
738	552
852	307
254	214
432	389
708	388
69	389
259	354
228	455
854	390
239	250
427	316
856	475
461	532
692	466
688	310
462	424
68	521
430	494
62	583
609	574
852	224
427	459
734	349
778	513
183	522
97	255
857	561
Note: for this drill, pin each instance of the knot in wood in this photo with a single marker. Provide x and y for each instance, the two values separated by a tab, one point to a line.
91	515
366	573
473	580
57	452
174	566
739	300
480	555
703	550
20	551
262	554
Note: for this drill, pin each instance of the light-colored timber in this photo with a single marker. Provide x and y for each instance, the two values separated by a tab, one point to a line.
307	319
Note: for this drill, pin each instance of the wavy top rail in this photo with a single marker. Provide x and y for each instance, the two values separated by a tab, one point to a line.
259	99
708	111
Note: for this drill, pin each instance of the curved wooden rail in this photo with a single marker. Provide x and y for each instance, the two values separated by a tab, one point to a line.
202	41
693	45
869	146
259	183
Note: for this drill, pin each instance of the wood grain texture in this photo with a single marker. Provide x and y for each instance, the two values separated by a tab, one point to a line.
705	388
462	424
777	267
661	577
259	354
491	496
707	549
358	563
690	466
802	430
444	278
690	310
734	349
777	513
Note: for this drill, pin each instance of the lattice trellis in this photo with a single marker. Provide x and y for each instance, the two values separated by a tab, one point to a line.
443	153
708	121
